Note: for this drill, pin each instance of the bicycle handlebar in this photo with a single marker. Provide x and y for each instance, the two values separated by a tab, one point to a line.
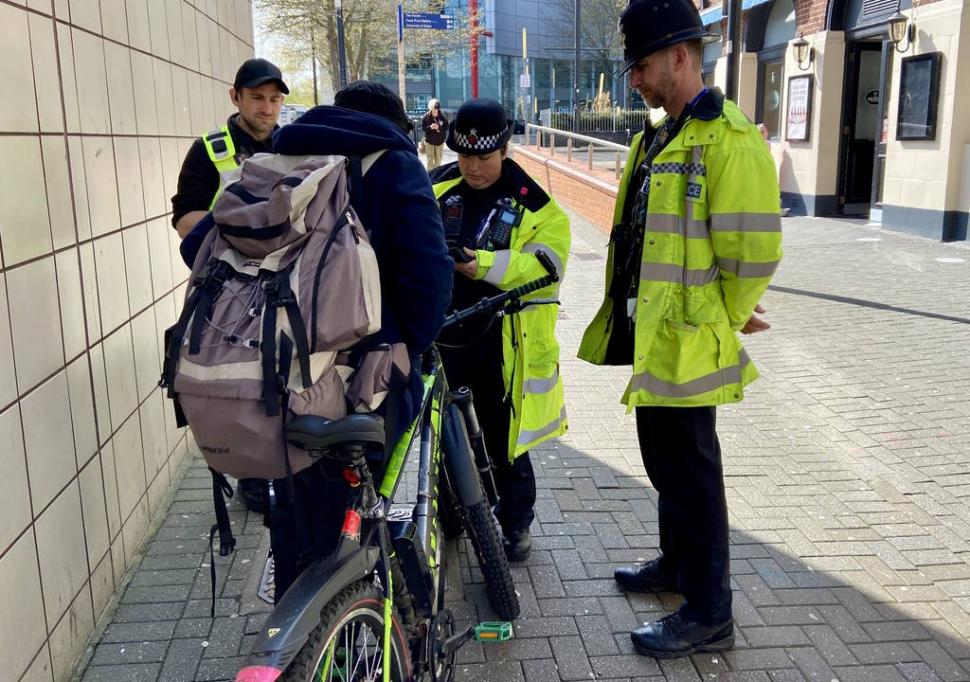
490	304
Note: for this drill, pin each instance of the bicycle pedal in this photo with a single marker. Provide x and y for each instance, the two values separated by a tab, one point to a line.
493	631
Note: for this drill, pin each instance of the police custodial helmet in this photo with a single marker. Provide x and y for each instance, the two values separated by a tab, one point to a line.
651	25
480	127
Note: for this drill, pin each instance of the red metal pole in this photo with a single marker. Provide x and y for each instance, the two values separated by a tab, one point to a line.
473	44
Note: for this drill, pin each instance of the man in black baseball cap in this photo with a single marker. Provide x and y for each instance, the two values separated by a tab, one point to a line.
213	161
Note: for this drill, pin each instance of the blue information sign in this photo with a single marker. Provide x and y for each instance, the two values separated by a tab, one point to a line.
438	22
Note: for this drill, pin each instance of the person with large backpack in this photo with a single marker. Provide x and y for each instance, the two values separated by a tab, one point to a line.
324	280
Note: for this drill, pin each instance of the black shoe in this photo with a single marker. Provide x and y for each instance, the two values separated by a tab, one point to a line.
518	545
648	577
676	636
253	492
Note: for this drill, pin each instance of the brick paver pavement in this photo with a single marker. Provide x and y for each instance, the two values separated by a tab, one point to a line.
848	484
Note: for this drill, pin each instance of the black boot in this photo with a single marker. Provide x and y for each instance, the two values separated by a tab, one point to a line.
676	636
518	545
649	577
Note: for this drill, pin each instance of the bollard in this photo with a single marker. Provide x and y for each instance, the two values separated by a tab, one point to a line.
619	166
569	150
589	156
552	145
538	140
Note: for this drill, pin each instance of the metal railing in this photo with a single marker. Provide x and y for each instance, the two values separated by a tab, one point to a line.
611	121
546	137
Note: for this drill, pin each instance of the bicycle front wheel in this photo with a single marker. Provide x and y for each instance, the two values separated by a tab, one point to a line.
348	643
482	530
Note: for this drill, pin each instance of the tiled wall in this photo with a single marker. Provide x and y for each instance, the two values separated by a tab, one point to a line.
101	100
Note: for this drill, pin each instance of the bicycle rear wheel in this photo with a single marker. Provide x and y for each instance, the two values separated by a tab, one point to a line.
483	531
348	643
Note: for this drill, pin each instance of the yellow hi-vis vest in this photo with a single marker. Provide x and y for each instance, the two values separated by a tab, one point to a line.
530	352
711	245
222	152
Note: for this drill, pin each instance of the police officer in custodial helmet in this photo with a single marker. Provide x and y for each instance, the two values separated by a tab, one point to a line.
496	220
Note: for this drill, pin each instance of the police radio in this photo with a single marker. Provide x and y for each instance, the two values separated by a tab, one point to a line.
496	233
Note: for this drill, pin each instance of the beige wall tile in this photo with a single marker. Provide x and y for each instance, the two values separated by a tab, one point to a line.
86	13
165	316
131	196
147	369
60	547
197	113
158	24
109	256
68	75
139	30
17	114
143	81
134	529
130	466
82	213
102	585
82	409
100	381
150	153
44	57
71	302
153	433
114	21
102	185
40	668
95	517
121	98
180	93
69	637
36	327
22	629
203	32
138	266
158	248
172	156
157	489
58	181
164	100
24	224
89	287
92	84
8	377
119	362
62	9
109	470
15	503
176	39
51	463
209	88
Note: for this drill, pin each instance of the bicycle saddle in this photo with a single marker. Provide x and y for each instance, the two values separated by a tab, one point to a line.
311	432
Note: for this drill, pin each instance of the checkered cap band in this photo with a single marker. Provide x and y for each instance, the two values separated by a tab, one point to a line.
480	142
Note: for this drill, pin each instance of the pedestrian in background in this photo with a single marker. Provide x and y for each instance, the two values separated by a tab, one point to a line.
695	242
435	127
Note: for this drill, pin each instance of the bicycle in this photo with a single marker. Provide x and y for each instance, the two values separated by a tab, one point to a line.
374	609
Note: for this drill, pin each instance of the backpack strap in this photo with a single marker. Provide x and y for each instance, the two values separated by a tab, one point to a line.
279	295
227	543
218	273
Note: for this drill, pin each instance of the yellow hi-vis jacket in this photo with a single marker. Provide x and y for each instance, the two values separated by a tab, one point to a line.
222	152
530	352
711	245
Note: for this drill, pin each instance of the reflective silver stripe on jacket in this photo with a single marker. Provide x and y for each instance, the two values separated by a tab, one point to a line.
526	437
747	269
674	224
745	222
499	267
532	247
670	272
539	386
710	382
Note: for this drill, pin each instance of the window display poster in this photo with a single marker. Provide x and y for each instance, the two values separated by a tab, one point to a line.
799	108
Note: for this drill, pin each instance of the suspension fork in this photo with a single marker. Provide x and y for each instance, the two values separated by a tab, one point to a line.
463	399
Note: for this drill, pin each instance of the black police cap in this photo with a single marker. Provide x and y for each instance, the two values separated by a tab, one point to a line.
651	25
256	72
480	127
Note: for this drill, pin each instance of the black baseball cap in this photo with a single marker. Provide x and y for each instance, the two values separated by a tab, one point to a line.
256	72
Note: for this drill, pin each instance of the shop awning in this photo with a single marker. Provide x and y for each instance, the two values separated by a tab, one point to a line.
712	15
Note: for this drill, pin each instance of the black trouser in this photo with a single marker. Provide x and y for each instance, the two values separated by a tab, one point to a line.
682	457
479	367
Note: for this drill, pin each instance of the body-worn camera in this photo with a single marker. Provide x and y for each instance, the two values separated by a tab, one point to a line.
451	211
496	232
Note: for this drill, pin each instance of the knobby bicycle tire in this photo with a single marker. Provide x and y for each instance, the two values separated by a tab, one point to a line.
482	529
360	604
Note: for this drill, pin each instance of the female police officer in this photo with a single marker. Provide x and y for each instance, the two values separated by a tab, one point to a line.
496	219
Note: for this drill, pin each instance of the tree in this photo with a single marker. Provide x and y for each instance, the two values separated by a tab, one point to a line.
370	32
